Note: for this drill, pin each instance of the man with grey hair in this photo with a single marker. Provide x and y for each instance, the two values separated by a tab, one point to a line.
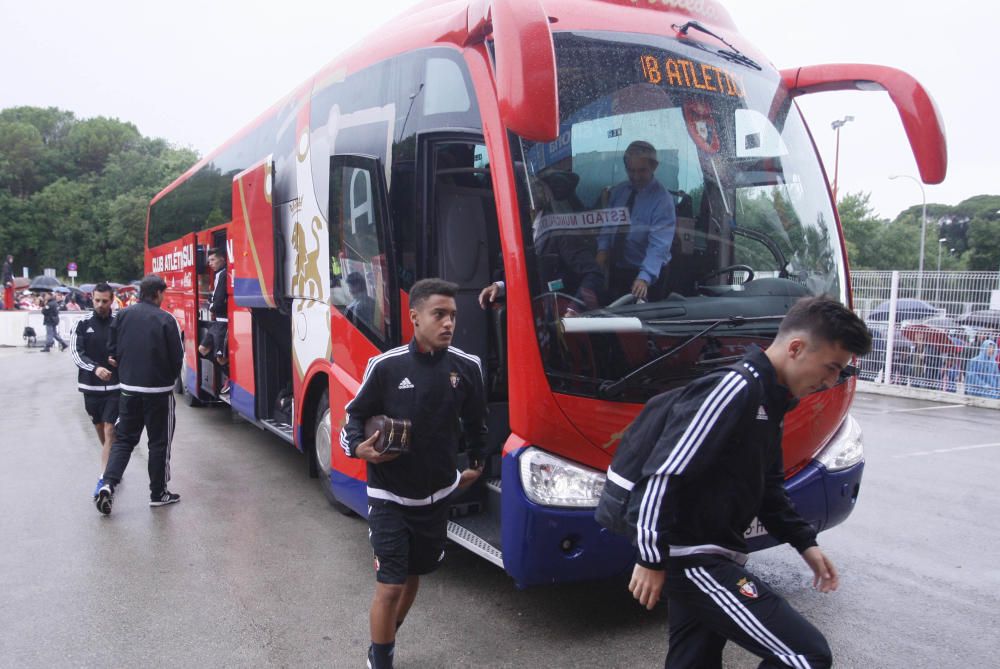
635	257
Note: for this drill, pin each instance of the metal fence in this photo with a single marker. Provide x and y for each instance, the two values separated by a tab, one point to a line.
939	340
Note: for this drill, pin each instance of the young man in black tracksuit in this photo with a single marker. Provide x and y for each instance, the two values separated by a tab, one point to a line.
97	378
718	464
145	345
442	391
213	344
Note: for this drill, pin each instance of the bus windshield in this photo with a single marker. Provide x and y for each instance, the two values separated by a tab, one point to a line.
679	214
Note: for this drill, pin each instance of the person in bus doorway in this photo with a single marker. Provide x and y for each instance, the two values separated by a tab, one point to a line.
97	378
215	339
50	318
716	466
635	257
442	391
144	343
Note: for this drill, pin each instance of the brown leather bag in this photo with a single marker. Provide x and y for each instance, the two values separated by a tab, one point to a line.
394	434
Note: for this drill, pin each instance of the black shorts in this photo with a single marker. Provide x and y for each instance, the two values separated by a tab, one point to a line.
406	540
102	408
216	338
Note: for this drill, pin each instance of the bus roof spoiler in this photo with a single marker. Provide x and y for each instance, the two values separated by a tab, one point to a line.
917	110
527	89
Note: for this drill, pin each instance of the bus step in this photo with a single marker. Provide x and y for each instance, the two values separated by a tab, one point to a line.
475	543
283	430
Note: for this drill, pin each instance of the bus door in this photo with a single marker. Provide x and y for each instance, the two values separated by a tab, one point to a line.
211	375
463	246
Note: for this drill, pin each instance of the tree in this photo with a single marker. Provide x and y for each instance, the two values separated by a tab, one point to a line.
984	242
861	226
78	190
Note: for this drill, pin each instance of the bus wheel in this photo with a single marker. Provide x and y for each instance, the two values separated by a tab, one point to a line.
178	386
321	453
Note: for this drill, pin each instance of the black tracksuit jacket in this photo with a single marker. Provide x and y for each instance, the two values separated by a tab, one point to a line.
444	394
146	342
219	305
716	465
89	346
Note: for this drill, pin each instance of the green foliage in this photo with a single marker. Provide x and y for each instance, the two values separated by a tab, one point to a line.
971	239
78	190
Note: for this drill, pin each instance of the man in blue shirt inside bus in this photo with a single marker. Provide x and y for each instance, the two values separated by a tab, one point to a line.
635	257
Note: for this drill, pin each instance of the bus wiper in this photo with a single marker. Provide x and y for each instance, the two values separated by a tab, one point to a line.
610	389
735	56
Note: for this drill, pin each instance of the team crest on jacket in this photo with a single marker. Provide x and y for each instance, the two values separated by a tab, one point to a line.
454	379
747	588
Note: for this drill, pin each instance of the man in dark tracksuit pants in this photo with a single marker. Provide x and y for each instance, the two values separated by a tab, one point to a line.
716	466
441	390
97	378
145	344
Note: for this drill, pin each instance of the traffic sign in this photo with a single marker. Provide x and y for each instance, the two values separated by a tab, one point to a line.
71	267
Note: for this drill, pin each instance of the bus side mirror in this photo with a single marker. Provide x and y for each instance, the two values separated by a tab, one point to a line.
919	114
526	69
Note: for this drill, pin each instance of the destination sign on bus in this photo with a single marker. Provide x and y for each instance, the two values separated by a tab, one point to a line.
684	73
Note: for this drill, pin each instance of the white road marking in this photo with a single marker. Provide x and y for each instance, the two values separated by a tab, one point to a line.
934	408
948	450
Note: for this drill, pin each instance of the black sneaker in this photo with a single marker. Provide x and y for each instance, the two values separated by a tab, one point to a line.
164	498
63	347
105	498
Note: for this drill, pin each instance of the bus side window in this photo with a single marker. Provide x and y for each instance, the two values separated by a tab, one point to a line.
359	246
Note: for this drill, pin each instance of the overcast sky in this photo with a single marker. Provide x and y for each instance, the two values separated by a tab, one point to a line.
194	72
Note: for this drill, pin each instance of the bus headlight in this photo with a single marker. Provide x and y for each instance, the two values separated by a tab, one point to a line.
845	449
553	481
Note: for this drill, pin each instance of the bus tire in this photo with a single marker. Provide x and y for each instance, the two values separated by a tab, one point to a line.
178	386
191	400
322	445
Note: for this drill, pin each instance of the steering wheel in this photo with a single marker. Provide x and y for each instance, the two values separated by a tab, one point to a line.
562	296
627	298
727	269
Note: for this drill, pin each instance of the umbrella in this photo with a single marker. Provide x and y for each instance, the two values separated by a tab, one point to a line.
906	310
44	284
21	282
921	333
984	318
88	287
61	289
943	322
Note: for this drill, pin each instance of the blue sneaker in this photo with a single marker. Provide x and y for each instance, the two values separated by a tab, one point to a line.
105	498
100	482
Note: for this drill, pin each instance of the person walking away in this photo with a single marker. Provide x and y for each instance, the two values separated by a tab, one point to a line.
144	343
718	464
441	390
9	301
50	317
97	378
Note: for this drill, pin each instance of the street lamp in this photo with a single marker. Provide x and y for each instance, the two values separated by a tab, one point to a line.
937	281
923	227
837	125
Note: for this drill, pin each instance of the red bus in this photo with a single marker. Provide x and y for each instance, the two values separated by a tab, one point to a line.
472	140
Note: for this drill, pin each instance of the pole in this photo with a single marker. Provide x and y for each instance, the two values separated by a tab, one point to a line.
836	166
923	229
837	125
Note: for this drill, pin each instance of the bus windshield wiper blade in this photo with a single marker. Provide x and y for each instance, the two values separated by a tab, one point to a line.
735	55
610	389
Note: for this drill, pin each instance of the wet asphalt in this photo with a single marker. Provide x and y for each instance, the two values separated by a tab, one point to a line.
253	568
